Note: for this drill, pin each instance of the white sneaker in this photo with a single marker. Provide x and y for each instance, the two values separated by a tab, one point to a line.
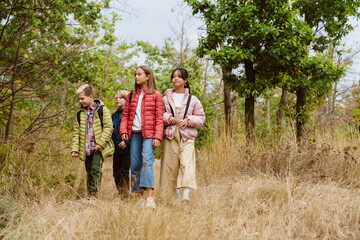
186	199
150	202
141	202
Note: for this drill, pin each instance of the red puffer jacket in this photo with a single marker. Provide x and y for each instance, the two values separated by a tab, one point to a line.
152	125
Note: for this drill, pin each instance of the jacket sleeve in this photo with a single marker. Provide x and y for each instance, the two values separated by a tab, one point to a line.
125	117
159	108
113	136
197	118
166	115
75	142
107	128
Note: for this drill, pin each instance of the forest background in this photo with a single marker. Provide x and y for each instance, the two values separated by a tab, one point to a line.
278	156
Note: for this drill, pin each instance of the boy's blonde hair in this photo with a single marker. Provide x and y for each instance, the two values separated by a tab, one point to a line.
86	89
122	93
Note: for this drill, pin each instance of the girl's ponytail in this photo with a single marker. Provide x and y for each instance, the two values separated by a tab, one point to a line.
187	85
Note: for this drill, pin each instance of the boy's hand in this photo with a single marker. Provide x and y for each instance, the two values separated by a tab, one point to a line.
172	120
183	123
98	148
122	145
125	137
156	143
74	154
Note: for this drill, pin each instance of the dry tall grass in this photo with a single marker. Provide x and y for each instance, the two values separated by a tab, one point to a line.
276	191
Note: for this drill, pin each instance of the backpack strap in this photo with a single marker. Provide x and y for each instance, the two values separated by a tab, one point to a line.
187	106
78	117
186	109
172	110
101	115
100	112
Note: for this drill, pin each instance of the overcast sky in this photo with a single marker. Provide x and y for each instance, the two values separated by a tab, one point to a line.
153	21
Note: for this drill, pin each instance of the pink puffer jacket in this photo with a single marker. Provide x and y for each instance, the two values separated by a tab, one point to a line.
195	115
151	115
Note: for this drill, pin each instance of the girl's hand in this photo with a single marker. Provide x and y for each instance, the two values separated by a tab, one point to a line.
155	143
183	123
98	148
74	154
125	137
172	120
122	145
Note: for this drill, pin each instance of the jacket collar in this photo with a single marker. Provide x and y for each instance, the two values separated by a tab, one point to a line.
120	110
98	104
139	91
169	94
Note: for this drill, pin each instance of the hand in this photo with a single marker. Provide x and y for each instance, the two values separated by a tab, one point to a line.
125	137
74	154
122	145
98	148
183	123
155	143
172	120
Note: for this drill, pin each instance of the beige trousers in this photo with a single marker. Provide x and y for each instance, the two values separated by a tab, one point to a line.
178	162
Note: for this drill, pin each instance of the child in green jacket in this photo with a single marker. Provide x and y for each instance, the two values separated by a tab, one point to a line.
91	140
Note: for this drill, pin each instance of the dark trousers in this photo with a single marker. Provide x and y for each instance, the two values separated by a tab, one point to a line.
121	167
93	165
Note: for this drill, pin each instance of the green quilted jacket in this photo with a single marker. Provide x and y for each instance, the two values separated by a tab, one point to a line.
102	136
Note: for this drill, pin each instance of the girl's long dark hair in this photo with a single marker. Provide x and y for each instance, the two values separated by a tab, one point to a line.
184	75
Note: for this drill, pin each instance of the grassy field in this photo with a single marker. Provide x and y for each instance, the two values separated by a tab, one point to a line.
274	192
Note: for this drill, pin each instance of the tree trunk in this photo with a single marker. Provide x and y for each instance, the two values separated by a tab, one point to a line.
280	111
205	79
333	101
12	106
227	106
63	94
13	79
323	116
227	99
105	71
268	125
301	114
250	104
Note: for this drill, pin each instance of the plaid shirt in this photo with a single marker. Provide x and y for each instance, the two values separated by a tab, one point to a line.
90	139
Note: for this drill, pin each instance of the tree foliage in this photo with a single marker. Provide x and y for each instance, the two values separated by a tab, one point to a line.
266	44
256	41
38	41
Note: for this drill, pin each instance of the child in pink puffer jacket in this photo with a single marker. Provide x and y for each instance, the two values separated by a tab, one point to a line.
183	113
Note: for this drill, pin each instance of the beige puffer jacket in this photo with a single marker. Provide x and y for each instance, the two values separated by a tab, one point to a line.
102	136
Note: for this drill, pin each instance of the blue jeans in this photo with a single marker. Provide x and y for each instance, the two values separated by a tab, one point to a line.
142	158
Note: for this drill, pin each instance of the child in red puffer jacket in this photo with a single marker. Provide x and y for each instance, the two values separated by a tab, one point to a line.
142	123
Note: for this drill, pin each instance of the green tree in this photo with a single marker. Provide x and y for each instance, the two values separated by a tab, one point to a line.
330	23
255	41
105	62
38	40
